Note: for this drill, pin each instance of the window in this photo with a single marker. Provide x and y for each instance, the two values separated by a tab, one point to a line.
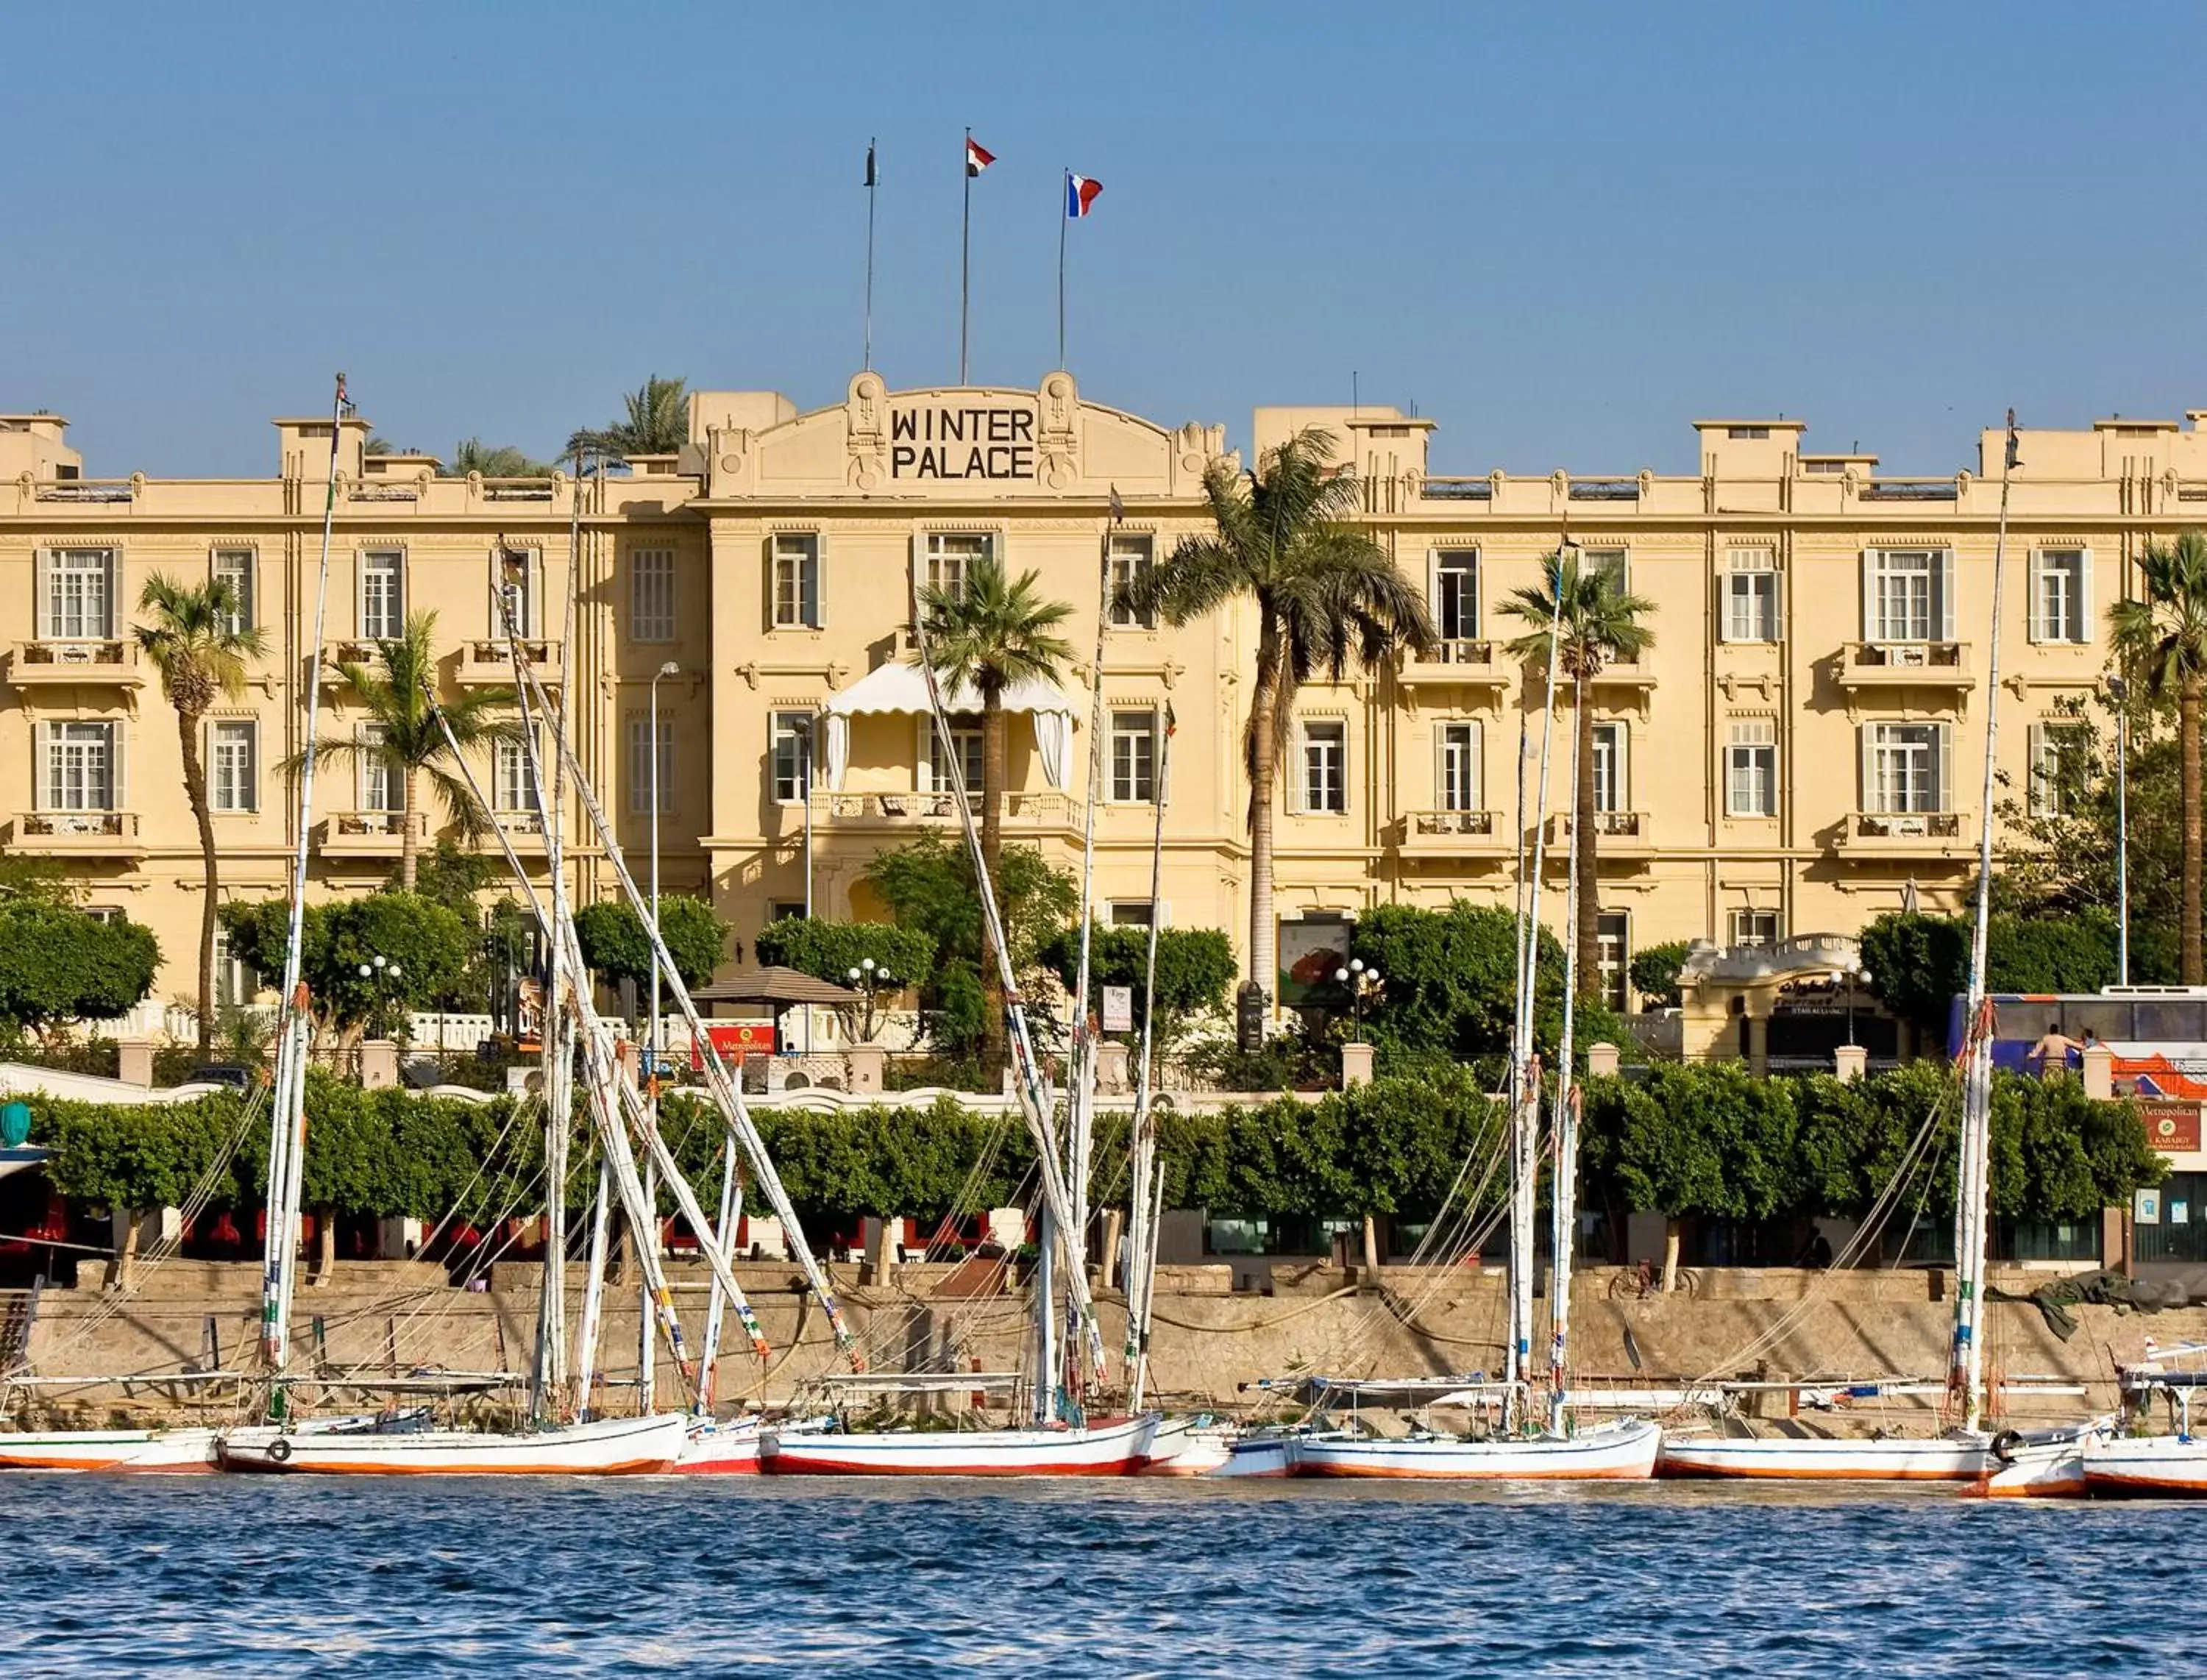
513	779
2060	595
80	595
233	981
1613	948
1754	927
1131	557
2060	762
234	566
1751	769
645	767
233	778
792	738
965	742
1750	611
383	595
651	595
376	785
785	910
515	586
1453	594
80	766
1459	771
1613	563
1326	768
1908	595
1129	914
1135	756
1747	433
797	580
951	556
1612	782
1905	767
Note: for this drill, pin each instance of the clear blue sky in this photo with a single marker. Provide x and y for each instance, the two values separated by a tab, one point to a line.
1561	230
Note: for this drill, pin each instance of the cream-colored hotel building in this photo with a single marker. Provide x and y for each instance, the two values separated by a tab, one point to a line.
1800	748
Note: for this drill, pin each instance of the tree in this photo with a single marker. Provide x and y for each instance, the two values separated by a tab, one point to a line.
57	964
1594	621
1449	980
2160	639
397	700
929	885
657	422
830	950
616	945
1195	967
1328	597
990	637
427	944
473	455
196	642
1655	973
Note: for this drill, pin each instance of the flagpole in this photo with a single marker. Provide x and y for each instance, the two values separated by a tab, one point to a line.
871	179
1064	215
965	249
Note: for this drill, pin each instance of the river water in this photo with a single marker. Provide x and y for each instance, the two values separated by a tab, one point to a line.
244	1575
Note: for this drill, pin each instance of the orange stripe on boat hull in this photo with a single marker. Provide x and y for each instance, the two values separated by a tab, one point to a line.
837	1467
2143	1487
1699	1472
641	1467
1623	1473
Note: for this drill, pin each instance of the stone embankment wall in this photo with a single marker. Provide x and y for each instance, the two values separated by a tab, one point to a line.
384	1319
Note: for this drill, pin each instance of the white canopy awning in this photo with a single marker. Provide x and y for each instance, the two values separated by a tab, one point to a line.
900	688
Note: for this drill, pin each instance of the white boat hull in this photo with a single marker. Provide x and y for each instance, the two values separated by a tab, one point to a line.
729	1449
1786	1458
1118	1449
2154	1466
155	1452
1264	1456
1183	1448
1611	1452
608	1447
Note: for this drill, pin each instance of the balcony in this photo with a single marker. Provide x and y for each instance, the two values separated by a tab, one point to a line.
1878	667
1026	814
1620	834
371	834
78	833
114	663
1469	664
1910	833
1456	834
1636	676
488	663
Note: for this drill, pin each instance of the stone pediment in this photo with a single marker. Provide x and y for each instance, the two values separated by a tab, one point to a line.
960	444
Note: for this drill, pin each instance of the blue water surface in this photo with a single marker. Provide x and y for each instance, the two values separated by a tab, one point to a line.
251	1576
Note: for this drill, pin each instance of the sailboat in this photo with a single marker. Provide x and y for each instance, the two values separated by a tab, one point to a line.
1060	1437
2118	1465
1999	1461
1523	1448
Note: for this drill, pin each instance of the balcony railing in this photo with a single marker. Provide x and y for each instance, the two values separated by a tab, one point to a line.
490	663
1459	659
372	833
1905	827
109	661
518	822
1446	833
1036	810
75	830
1883	665
1620	831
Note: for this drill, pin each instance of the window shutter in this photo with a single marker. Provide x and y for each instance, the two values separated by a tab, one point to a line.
2084	632
1298	768
360	592
2035	628
42	776
1434	589
42	610
1777	599
1945	574
1869	596
1866	742
1475	773
1727	594
2035	786
922	765
820	580
918	571
118	764
1623	739
1943	734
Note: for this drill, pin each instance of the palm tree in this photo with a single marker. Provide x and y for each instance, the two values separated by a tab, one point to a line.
397	700
2160	638
1597	622
991	636
657	423
1328	596
473	455
200	649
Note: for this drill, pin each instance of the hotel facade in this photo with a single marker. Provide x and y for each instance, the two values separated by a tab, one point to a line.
1800	751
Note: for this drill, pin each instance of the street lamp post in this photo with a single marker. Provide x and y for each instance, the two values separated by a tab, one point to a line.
2119	691
1363	983
871	981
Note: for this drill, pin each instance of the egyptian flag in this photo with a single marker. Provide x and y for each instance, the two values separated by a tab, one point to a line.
977	157
1079	195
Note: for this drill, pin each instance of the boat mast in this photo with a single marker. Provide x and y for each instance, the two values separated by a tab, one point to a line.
1145	1203
716	1302
1563	1189
1967	1372
287	1120
1524	1071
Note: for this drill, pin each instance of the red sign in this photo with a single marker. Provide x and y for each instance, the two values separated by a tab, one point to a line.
2171	1127
735	1040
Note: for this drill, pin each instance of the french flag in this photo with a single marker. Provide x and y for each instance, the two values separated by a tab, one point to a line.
1079	195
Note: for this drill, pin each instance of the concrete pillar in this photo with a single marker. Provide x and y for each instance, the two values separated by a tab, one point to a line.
1112	1060
1603	1060
134	1059
1008	1228
1370	1244
2099	1071
2114	1240
379	1064
878	1234
1355	1065
1758	1045
1115	1228
398	1238
1850	1062
866	1064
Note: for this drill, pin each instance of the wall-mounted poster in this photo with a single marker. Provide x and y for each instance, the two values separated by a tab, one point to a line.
2147	1210
1310	951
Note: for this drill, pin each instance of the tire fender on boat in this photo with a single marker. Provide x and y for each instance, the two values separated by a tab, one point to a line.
279	1451
2004	1445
